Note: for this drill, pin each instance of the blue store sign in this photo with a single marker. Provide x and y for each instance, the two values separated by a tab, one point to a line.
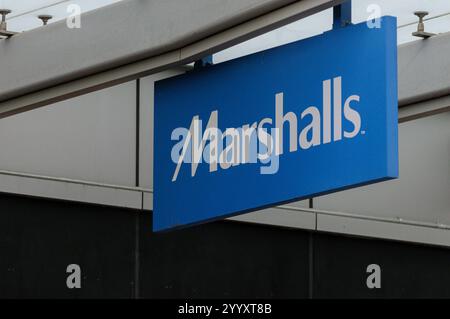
301	120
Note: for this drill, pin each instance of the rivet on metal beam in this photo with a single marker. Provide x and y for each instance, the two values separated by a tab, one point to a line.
45	18
421	26
3	25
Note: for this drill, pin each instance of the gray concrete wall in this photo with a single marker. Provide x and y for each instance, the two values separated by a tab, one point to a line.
93	138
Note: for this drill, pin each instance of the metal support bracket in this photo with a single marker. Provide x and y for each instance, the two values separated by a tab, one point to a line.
206	61
342	15
3	26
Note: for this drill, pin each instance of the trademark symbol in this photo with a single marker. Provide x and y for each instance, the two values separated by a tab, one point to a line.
363	132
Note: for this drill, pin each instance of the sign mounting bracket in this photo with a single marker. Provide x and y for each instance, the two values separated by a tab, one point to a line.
342	15
205	61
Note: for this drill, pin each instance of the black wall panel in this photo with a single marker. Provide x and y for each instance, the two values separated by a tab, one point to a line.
120	257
